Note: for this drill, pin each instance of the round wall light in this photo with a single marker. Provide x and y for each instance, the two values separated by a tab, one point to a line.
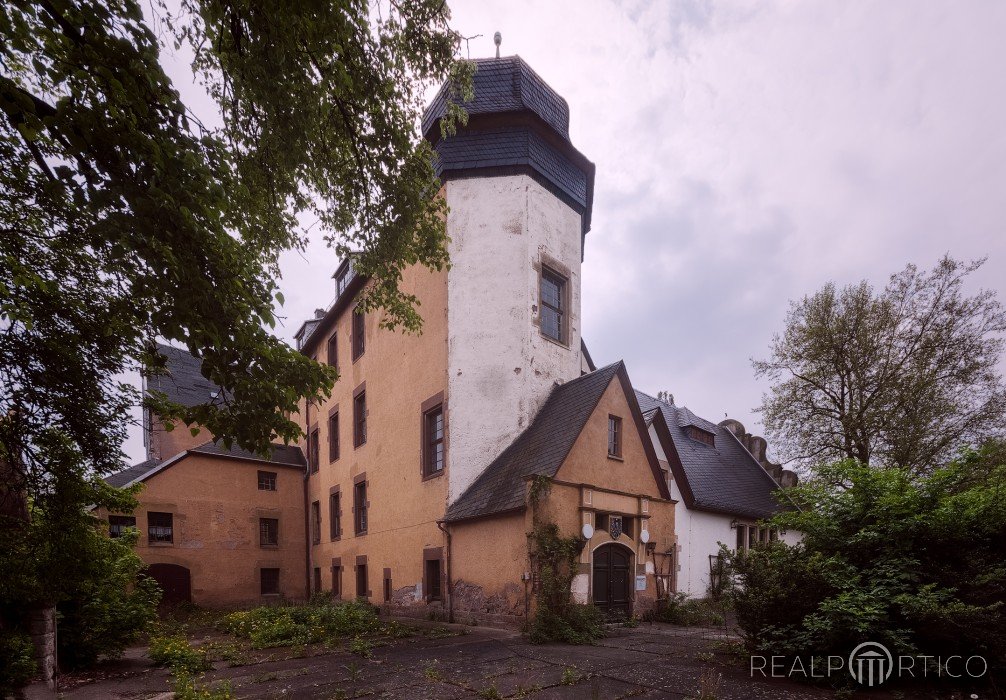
644	536
587	531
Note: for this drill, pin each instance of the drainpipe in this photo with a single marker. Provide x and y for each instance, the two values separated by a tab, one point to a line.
450	586
307	502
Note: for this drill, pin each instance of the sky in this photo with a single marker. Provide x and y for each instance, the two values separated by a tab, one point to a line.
747	153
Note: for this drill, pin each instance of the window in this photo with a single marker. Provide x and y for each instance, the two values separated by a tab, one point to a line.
614	436
361	580
317	579
333	351
312	451
160	528
360	419
333	437
553	305
433	579
267	481
433	441
360	507
359	342
270	581
336	580
335	515
742	538
344	278
117	524
316	522
268	532
700	435
387	585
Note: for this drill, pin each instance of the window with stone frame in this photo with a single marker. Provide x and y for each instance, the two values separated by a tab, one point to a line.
316	522
268	532
614	436
360	507
266	481
433	441
160	528
118	524
552	306
269	581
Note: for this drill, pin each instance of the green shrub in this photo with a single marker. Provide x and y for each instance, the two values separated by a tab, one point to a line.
914	562
176	653
679	609
186	688
294	625
575	624
17	661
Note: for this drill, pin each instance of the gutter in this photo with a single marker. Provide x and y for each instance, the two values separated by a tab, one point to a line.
442	524
307	508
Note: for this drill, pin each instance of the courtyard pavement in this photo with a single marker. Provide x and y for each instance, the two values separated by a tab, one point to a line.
649	661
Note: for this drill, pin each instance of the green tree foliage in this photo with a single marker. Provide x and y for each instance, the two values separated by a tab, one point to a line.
64	557
124	218
904	376
917	563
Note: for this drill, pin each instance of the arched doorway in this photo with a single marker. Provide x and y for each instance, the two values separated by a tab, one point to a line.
612	580
174	581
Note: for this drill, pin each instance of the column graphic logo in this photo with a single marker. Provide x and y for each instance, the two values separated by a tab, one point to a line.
871	664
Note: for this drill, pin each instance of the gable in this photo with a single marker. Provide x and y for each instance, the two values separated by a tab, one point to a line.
638	471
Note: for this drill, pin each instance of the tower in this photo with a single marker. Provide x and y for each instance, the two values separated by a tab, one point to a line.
520	198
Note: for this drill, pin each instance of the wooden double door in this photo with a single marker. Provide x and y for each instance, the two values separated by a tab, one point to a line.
612	580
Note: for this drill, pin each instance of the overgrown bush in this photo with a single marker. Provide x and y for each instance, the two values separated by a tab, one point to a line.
557	618
188	688
176	653
291	625
917	563
679	609
17	661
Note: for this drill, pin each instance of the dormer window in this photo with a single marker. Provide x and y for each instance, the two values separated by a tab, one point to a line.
343	277
700	435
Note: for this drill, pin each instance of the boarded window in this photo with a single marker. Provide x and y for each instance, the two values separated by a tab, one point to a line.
268	532
160	527
270	581
553	305
267	481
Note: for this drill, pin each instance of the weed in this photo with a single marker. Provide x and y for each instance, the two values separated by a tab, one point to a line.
709	685
293	625
490	693
177	654
361	647
354	670
431	671
186	688
569	676
706	656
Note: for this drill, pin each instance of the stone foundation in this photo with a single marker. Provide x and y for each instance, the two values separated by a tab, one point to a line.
42	628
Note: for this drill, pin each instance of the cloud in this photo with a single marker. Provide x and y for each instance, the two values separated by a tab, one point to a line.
746	154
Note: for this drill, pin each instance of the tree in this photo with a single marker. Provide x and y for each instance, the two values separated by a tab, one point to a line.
914	561
904	376
125	219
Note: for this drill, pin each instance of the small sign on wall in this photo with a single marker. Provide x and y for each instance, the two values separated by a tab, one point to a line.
641	583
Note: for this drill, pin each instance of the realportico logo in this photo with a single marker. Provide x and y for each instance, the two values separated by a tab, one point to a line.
870	664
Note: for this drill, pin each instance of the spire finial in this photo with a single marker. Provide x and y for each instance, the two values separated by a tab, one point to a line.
497	39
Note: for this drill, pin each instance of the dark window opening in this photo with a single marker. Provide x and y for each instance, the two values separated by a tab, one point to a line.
117	524
268	532
317	579
433	441
333	437
270	581
267	481
361	580
316	522
337	581
387	589
359	342
160	527
433	579
333	351
553	306
360	507
702	436
312	451
335	516
360	419
614	436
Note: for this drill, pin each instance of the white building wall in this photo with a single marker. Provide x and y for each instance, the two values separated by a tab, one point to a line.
500	368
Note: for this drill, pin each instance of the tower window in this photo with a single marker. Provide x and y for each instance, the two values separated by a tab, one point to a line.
554	319
433	443
614	436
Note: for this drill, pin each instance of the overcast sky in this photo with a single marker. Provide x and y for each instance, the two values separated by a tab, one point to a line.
746	154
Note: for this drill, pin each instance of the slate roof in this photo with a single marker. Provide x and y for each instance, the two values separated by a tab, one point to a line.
282	455
724	478
540	449
505	84
184	383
